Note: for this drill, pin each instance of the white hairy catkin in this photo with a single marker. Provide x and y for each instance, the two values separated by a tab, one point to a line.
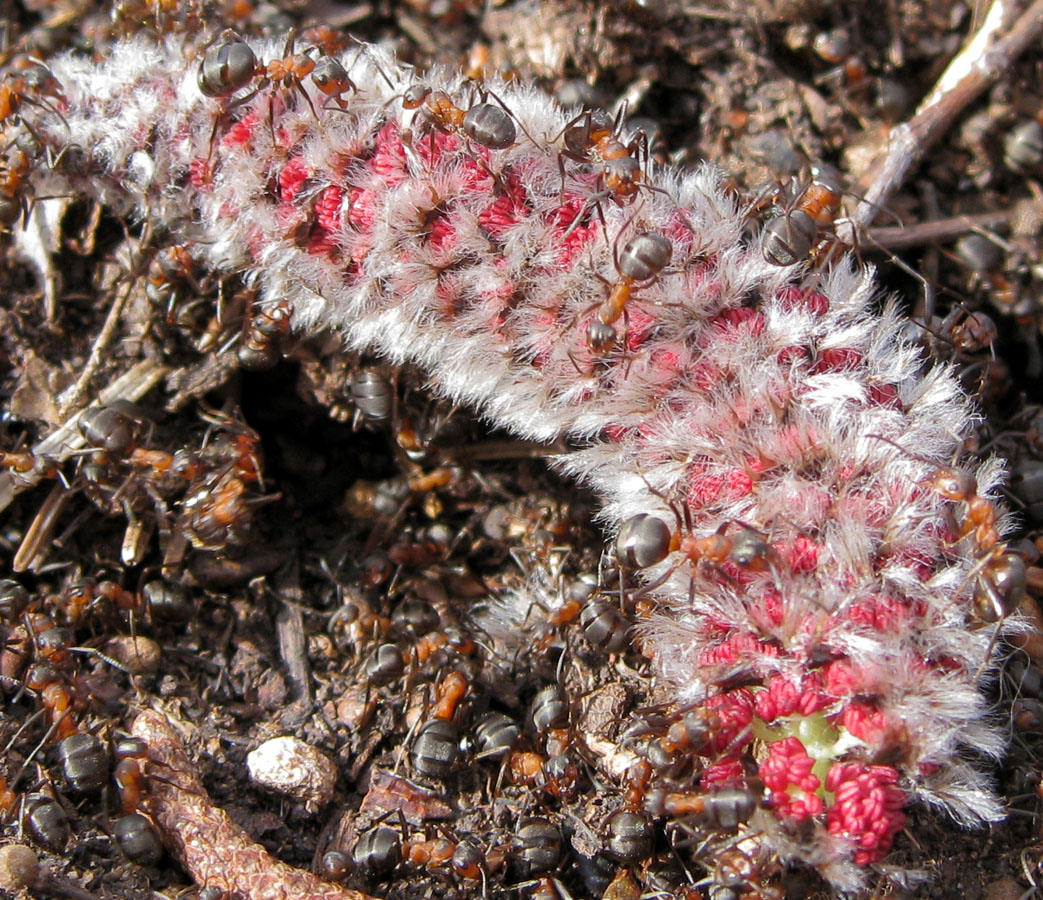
740	395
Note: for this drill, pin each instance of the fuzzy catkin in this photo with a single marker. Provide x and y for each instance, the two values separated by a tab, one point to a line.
741	395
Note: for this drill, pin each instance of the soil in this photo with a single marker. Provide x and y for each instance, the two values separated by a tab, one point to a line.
409	530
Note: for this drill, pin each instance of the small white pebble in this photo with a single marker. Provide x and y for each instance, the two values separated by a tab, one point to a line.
294	769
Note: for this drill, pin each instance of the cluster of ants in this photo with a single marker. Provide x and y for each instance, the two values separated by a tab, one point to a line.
205	498
547	819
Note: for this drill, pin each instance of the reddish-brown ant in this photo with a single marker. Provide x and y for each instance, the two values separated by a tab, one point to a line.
645	540
639	263
1001	575
34	84
790	236
593	137
487	124
260	347
233	65
12	174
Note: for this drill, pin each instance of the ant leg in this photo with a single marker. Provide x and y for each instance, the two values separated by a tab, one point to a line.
311	105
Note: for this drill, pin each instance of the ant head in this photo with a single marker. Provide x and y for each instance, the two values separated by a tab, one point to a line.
415	95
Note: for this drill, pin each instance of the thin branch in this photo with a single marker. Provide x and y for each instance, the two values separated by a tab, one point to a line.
987	56
938	231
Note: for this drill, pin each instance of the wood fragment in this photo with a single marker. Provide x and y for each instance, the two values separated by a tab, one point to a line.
216	852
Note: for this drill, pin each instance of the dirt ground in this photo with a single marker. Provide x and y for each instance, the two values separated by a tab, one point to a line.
369	533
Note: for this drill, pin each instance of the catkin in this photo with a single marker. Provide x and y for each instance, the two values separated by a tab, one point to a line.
739	398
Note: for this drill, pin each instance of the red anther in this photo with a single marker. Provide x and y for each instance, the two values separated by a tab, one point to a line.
329	209
292	178
201	174
842	678
884	614
866	723
726	772
733	715
561	220
639	327
361	216
867	808
744	317
802	298
389	157
786	772
778	699
705	376
737	648
792	354
241	134
441	233
666	362
436	145
507	208
718	489
885	395
802	555
837	359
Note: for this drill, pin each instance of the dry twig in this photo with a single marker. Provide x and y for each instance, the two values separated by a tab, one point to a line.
215	851
987	56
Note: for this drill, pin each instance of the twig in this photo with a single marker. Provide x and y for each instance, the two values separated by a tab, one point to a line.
39	532
215	851
72	397
900	237
987	56
66	439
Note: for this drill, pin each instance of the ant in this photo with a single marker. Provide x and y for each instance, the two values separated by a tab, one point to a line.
260	347
133	831
12	175
645	540
436	746
25	462
790	236
1001	574
233	65
488	124
639	263
34	84
592	137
